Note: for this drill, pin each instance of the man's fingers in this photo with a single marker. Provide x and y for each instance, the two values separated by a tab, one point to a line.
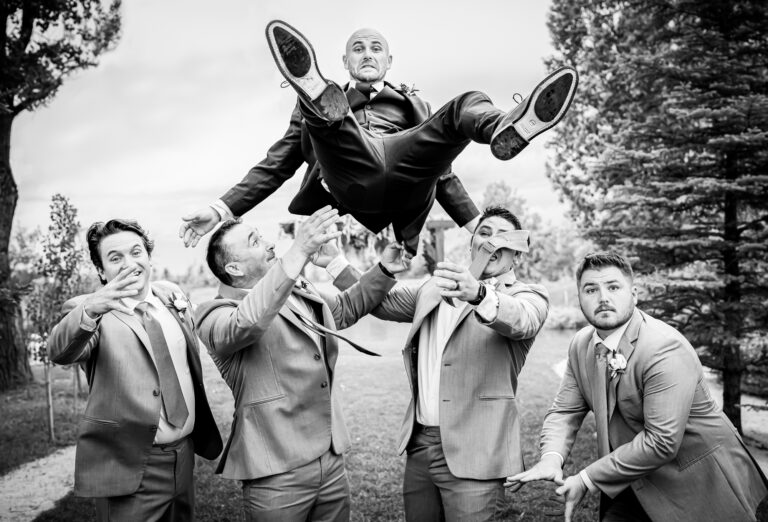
184	226
559	478
561	490
569	505
447	265
189	236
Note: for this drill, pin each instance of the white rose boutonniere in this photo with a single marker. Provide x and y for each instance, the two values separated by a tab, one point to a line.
617	363
180	303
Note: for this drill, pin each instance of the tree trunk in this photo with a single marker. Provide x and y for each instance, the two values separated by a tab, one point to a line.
732	364
14	363
49	400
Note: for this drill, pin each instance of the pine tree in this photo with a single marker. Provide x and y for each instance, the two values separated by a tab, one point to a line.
664	156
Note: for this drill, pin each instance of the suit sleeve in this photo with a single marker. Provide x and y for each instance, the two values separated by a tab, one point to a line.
225	329
562	422
455	200
70	340
360	298
668	389
281	163
399	305
521	313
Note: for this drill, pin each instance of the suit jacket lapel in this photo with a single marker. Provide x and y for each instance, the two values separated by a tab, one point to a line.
626	348
431	299
134	324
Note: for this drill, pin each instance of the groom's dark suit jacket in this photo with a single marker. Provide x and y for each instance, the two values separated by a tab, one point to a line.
393	107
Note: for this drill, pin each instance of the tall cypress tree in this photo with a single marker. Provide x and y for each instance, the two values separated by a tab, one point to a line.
665	156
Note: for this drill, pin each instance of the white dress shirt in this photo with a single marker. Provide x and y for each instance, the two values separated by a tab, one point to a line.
177	346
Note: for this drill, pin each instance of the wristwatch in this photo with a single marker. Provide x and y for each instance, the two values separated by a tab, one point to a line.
480	296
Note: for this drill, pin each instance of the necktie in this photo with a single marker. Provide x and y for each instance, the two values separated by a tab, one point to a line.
364	88
322	331
173	400
599	400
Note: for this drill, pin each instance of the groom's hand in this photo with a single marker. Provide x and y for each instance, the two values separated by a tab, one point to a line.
548	468
197	224
572	491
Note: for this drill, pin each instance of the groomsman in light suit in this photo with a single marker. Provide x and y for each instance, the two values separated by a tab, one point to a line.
666	451
273	338
472	331
147	413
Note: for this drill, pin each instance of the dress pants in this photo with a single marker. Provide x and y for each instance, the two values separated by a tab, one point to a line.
381	178
431	493
623	508
317	492
166	492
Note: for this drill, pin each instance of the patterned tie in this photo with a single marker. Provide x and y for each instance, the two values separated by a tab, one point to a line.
599	399
173	400
364	88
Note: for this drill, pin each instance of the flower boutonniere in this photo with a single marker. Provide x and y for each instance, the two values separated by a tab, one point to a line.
180	303
409	91
617	363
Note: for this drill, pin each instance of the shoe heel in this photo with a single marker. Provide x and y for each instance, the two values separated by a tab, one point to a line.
507	144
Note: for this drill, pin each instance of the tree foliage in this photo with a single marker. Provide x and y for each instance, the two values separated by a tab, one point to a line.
664	154
43	42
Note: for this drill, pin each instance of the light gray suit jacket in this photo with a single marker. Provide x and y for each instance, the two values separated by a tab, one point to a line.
285	412
663	435
121	417
479	422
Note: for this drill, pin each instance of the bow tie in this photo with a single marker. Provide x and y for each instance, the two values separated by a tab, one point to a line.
365	88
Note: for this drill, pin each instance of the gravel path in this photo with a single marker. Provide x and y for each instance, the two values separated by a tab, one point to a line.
34	487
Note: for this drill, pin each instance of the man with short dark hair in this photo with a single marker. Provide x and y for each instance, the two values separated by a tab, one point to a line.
273	338
666	451
472	331
373	149
147	413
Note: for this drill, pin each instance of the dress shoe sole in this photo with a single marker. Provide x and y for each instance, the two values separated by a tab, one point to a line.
543	109
295	58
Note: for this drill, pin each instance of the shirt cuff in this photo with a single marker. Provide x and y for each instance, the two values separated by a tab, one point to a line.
337	266
562	460
223	210
590	485
488	309
88	323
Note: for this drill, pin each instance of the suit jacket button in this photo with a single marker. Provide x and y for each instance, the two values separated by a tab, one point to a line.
324	384
317	356
156	393
368	107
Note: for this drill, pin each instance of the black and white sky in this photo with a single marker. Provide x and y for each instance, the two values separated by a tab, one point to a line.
190	99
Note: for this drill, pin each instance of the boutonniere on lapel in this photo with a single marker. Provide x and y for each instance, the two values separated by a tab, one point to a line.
179	303
617	363
409	91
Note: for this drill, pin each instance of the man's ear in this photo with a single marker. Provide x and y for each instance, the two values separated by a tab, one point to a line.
634	294
345	62
233	268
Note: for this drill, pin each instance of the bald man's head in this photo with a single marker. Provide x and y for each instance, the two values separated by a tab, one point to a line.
367	56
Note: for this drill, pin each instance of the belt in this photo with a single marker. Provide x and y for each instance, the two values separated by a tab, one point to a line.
428	430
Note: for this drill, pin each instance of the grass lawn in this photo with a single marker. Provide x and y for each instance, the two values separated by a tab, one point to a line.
374	393
24	433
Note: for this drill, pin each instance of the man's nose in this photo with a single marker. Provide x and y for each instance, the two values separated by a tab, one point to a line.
603	295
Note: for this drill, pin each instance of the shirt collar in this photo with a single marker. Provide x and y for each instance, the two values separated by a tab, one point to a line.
375	87
506	278
151	299
614	338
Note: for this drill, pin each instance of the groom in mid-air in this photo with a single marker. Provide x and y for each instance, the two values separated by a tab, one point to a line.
373	149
